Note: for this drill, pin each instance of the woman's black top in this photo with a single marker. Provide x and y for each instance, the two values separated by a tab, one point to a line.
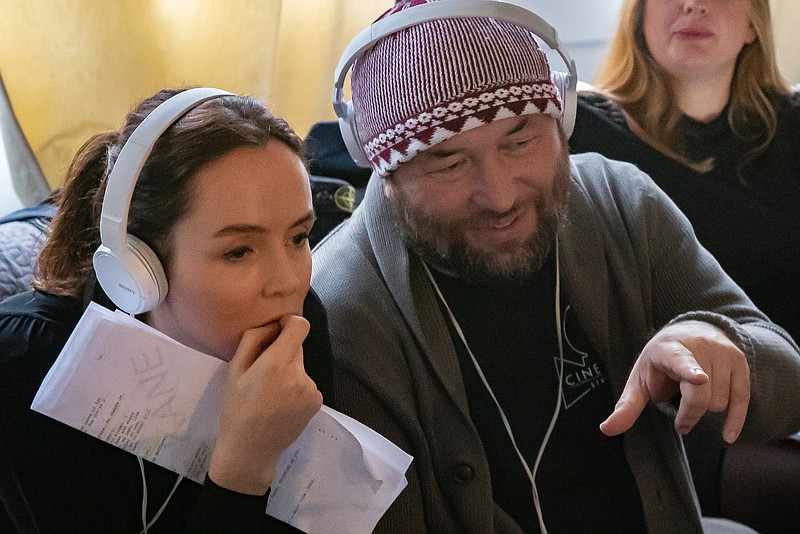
54	478
749	219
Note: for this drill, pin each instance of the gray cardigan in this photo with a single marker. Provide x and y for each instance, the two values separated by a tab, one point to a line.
630	263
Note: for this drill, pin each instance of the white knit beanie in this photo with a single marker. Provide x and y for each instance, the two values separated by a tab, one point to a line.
424	84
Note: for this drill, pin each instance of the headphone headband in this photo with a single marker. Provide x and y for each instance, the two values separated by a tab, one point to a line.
449	9
122	179
444	9
127	269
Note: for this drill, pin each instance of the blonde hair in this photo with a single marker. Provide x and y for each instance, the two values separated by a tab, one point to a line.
630	76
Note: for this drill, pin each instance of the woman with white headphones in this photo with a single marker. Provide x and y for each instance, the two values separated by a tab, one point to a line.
194	217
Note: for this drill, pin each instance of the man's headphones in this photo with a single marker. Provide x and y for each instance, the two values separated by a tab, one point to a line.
128	270
565	82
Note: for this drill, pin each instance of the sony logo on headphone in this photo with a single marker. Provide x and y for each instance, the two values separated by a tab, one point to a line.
126	288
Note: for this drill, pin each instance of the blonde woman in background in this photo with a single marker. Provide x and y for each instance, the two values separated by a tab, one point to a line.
691	93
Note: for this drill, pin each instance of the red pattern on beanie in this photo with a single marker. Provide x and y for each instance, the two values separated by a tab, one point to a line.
427	83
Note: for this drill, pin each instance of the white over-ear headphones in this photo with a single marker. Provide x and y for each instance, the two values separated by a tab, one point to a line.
566	82
128	270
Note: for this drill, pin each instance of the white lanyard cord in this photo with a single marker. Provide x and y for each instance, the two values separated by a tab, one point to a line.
506	424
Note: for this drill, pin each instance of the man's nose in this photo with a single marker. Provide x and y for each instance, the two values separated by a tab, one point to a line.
493	186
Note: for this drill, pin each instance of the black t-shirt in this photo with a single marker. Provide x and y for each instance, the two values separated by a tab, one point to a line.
583	481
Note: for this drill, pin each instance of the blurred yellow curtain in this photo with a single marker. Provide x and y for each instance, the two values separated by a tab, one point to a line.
74	67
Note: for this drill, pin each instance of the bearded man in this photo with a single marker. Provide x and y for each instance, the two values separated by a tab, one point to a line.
537	329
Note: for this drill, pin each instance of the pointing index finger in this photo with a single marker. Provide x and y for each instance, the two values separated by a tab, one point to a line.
627	410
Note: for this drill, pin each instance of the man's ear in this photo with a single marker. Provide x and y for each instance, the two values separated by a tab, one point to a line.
388	186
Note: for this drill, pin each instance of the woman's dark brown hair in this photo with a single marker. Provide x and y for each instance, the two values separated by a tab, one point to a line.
163	190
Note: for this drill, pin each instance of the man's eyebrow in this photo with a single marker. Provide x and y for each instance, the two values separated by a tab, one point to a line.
440	153
523	122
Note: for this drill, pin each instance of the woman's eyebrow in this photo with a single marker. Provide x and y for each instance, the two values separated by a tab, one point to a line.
258	229
240	229
308	217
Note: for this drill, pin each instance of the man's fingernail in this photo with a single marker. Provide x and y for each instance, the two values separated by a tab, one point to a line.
730	436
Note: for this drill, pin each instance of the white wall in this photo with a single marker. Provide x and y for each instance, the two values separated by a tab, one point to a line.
786	21
584	27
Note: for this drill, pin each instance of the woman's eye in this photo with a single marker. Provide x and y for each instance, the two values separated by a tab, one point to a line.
300	239
237	253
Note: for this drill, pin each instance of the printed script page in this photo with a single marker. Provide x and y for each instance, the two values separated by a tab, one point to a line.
127	384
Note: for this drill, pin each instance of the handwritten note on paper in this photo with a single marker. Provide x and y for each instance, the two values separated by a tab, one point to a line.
123	382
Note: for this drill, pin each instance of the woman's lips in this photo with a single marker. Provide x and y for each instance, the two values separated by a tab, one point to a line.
694	33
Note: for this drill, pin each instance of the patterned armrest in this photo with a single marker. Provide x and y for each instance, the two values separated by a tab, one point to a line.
22	234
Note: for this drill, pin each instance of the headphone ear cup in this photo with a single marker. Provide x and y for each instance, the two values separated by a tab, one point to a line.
567	87
136	283
156	280
347	127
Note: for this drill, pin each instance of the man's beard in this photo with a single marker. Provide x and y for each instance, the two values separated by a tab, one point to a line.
444	244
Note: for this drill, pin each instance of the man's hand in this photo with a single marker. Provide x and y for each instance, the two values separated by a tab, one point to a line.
696	359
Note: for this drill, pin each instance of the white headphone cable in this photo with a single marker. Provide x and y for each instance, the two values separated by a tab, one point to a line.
557	410
145	524
506	424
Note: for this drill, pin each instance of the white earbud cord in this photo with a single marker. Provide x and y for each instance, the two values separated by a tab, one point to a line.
145	524
506	424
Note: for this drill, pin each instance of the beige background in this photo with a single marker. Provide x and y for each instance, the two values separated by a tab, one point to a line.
73	67
786	22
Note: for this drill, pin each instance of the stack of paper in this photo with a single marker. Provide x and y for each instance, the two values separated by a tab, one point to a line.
123	382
